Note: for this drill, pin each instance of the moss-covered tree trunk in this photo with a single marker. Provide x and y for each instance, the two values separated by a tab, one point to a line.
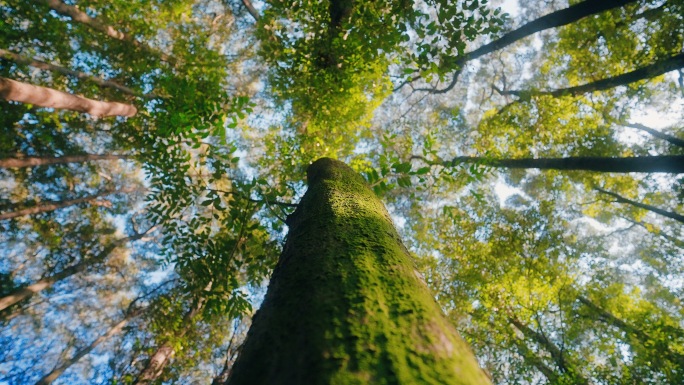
345	304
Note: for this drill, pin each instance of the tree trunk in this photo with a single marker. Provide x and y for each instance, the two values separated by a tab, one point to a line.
77	15
52	206
665	213
28	291
77	74
673	164
553	349
34	161
164	353
552	20
345	303
251	10
632	332
47	97
56	372
669	138
647	72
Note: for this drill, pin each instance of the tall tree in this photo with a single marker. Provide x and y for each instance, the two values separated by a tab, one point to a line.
345	303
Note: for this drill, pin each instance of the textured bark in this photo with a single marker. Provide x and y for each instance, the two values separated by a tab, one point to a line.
345	304
52	206
28	291
665	213
34	161
668	138
77	74
56	372
673	164
77	15
643	73
47	97
552	20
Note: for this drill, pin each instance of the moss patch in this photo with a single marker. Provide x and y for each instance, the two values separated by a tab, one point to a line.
345	305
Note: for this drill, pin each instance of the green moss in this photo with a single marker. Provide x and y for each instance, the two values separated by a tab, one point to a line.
345	304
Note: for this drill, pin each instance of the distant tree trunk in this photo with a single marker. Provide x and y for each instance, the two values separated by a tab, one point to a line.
665	213
28	291
251	10
345	303
164	353
552	20
669	138
34	161
647	72
77	15
77	74
673	164
633	332
231	355
532	358
116	329
47	97
52	206
555	352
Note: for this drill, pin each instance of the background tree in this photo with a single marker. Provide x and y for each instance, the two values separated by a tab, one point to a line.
550	279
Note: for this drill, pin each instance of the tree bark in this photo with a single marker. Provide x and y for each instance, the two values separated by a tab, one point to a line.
28	291
552	20
647	72
34	161
673	164
669	138
77	74
56	372
77	15
345	303
52	206
621	199
47	97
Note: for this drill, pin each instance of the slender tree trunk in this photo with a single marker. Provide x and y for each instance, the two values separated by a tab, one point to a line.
77	74
553	349
28	291
34	161
673	164
250	8
231	355
669	138
665	213
647	72
47	97
532	358
552	20
52	206
345	303
662	347
164	353
116	329
77	15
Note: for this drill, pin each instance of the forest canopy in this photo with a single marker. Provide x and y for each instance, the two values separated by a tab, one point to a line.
530	153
